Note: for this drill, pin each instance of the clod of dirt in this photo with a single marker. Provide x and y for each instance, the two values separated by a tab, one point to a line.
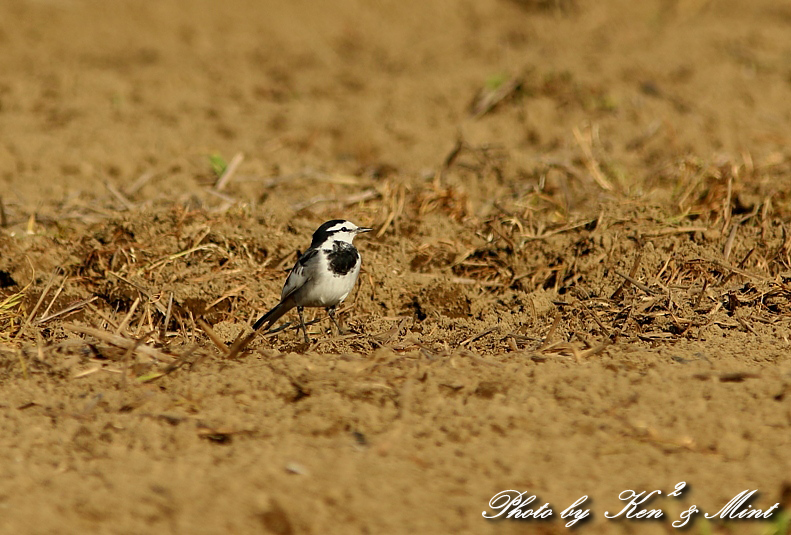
227	331
444	299
543	302
275	520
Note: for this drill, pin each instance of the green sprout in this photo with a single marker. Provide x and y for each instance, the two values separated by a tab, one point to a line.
495	81
218	164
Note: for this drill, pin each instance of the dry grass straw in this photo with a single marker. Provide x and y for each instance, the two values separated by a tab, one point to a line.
682	296
619	274
585	142
230	170
490	97
120	341
10	315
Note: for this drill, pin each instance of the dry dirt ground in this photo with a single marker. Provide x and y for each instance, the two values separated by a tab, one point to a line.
579	280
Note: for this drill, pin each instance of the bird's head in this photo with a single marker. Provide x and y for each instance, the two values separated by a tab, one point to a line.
337	230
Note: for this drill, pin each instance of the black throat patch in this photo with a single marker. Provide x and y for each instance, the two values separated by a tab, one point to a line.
342	258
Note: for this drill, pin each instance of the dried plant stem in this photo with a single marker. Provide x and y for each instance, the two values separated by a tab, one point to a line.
119	341
3	218
590	162
127	204
632	272
38	304
226	176
635	282
551	331
128	316
213	336
68	310
670	231
54	297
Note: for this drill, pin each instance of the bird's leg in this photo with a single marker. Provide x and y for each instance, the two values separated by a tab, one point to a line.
302	325
331	314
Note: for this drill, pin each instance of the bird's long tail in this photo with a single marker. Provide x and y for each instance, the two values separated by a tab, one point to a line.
273	315
267	319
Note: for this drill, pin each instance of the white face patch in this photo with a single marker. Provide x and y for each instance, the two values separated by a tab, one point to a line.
346	226
344	231
335	231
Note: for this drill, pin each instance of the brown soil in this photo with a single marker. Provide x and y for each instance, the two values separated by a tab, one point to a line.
579	280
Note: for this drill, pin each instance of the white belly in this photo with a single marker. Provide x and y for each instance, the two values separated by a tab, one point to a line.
325	289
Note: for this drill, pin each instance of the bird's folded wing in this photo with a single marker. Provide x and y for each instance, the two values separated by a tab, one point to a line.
301	273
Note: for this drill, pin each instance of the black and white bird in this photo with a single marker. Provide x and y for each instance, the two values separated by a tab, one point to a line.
323	275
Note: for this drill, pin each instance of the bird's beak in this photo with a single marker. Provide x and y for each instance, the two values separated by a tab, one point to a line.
360	230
